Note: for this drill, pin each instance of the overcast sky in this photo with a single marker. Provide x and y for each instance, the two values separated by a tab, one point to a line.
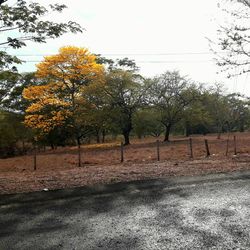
160	35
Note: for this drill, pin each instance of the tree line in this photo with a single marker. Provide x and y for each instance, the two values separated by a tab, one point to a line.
75	96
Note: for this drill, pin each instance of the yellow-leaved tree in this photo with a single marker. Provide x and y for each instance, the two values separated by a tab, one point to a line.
59	101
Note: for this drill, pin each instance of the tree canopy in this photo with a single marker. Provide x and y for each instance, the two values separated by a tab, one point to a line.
65	76
171	94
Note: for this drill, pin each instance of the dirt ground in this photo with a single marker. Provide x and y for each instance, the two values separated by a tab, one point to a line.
101	162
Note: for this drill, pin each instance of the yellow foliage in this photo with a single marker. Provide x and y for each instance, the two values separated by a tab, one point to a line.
71	64
41	96
67	74
46	122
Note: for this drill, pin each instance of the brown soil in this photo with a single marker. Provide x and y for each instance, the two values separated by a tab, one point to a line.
58	168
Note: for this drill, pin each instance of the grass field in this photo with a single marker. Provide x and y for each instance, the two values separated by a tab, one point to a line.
101	162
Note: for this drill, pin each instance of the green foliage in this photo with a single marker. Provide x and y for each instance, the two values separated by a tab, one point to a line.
120	101
6	60
28	20
118	64
8	80
24	22
196	117
147	122
239	116
124	94
11	88
171	94
12	131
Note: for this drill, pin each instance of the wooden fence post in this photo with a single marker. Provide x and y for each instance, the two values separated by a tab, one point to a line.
35	161
207	148
235	149
191	148
122	156
227	147
158	150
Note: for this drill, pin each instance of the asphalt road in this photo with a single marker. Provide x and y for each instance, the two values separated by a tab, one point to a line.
210	212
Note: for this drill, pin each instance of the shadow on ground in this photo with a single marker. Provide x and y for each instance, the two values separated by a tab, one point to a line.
154	214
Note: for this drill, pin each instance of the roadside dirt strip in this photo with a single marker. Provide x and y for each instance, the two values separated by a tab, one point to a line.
27	181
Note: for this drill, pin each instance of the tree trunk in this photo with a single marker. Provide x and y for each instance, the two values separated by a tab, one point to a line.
97	137
79	152
126	137
219	130
167	132
219	135
187	129
103	135
23	149
127	127
242	129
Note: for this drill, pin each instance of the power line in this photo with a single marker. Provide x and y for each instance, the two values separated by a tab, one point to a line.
175	61
137	54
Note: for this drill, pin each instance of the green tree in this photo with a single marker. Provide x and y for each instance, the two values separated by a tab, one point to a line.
147	122
196	117
120	96
13	99
218	108
8	80
171	94
12	132
124	94
239	116
96	112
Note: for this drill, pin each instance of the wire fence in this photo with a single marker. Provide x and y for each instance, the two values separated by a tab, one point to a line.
180	149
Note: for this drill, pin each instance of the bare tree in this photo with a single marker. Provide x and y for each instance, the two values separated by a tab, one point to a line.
233	54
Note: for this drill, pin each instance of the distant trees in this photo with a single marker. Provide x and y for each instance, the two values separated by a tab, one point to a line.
217	106
239	112
93	100
147	121
75	96
196	117
12	132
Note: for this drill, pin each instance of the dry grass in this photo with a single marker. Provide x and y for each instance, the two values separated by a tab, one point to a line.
58	168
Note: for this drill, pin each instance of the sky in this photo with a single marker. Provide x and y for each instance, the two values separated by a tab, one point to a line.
159	35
